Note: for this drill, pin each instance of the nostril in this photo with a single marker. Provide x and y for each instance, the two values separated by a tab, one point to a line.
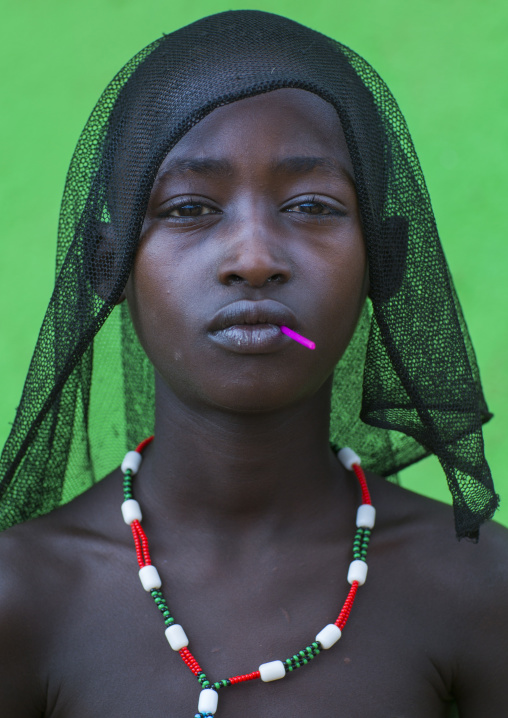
234	279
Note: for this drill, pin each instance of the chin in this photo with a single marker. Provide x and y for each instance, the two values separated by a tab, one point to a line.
258	399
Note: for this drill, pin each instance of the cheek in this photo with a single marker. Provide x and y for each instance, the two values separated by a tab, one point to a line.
341	265
342	279
157	303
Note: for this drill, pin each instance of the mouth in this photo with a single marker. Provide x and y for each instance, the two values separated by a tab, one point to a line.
251	327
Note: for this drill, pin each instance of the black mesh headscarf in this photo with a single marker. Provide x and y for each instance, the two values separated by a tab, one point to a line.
408	384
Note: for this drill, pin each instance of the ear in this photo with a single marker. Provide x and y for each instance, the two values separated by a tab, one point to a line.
103	259
387	265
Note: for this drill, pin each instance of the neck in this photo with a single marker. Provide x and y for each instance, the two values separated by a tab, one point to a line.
215	466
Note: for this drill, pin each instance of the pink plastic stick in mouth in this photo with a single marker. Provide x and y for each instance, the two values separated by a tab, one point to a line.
298	338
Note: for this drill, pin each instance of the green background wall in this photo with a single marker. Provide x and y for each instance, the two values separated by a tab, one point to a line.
445	61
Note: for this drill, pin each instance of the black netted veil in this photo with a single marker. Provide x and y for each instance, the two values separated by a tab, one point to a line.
408	384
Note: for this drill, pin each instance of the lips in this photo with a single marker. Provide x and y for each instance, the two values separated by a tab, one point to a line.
264	311
251	327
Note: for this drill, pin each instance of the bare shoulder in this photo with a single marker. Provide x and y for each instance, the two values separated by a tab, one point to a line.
39	547
29	581
424	529
458	588
42	564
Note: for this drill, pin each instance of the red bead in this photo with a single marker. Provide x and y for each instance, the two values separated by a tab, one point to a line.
190	661
141	543
137	544
363	484
245	677
348	605
144	444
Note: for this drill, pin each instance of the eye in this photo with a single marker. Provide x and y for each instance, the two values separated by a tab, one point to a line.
190	209
314	207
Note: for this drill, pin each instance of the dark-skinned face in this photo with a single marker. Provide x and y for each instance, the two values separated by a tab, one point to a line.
252	223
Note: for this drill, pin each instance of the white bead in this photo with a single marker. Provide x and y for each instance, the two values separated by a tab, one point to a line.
329	635
150	578
208	699
347	458
357	572
176	636
272	671
131	511
132	461
366	516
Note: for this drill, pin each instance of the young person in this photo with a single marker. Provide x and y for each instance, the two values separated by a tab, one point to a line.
238	176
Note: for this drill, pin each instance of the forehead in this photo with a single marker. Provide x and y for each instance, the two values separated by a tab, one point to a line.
270	126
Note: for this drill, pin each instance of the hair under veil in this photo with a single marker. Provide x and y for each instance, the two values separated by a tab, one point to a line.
408	384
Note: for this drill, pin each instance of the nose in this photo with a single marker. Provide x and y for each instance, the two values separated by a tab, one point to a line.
254	257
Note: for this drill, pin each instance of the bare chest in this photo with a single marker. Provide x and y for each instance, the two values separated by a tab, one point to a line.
110	655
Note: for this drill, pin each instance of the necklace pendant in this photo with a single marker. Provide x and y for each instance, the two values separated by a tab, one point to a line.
207	705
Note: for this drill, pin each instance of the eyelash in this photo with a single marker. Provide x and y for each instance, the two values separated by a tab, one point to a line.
187	202
316	201
190	202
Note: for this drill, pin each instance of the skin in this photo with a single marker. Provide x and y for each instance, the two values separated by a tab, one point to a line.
249	515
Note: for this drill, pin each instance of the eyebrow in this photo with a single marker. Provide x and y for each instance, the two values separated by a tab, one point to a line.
207	166
304	164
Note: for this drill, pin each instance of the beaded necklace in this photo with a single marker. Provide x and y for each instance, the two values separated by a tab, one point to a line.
177	639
